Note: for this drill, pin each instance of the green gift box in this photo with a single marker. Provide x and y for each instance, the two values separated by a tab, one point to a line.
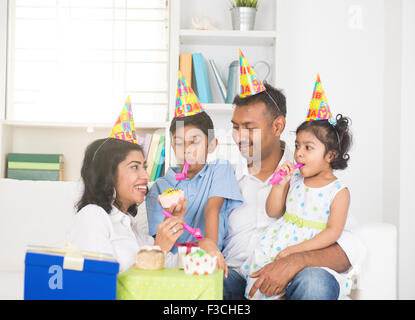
168	284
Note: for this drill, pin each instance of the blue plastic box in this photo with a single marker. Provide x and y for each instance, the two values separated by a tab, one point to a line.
52	274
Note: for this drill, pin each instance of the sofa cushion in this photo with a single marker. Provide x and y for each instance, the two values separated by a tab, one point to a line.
33	213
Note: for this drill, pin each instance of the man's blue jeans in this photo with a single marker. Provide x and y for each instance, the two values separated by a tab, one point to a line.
309	284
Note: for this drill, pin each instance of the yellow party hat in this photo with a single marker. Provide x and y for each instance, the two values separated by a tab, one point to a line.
249	82
124	128
187	103
319	108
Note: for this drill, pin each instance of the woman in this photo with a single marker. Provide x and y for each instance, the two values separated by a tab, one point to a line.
115	182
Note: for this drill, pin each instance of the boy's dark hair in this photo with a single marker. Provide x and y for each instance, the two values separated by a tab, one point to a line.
200	120
339	142
277	97
99	170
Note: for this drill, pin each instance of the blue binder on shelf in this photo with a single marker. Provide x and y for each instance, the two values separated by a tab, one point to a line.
202	78
161	162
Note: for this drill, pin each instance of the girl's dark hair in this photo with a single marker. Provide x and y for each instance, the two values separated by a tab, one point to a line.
99	172
326	133
201	121
278	98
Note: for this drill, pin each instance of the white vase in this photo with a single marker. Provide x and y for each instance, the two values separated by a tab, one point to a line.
243	18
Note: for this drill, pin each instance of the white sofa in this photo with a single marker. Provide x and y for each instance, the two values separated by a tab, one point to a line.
39	213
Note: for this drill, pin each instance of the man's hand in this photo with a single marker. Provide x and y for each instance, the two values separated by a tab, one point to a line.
275	276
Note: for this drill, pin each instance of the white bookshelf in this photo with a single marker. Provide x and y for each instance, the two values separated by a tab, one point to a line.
221	45
87	126
227	37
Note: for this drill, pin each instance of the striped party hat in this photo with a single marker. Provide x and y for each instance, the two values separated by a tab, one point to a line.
249	82
319	108
124	128
187	103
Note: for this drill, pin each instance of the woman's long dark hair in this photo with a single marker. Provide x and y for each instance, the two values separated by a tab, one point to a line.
99	172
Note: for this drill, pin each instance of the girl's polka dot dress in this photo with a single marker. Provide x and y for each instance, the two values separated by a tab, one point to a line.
307	212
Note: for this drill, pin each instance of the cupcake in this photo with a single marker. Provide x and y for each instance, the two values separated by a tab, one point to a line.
150	258
199	262
170	196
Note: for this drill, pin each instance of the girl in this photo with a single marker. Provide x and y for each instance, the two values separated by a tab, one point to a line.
313	203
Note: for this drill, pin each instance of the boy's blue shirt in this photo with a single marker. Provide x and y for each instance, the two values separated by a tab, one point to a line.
216	179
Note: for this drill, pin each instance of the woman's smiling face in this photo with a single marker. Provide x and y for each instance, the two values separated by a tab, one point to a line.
131	180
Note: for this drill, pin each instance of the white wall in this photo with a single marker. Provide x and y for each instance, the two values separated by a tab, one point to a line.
406	267
315	37
366	63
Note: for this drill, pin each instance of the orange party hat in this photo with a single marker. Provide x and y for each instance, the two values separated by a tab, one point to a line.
249	82
124	128
187	103
319	108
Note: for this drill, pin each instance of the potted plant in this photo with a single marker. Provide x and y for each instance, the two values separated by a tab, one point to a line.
243	14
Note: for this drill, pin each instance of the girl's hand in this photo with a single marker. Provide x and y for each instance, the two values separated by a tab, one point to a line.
168	232
179	209
210	247
285	252
289	168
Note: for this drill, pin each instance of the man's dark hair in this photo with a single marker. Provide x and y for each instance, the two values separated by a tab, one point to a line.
273	99
201	121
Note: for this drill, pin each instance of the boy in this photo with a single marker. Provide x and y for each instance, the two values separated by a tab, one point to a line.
211	189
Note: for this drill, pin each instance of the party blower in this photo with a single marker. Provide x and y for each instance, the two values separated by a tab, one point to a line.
194	232
277	177
182	175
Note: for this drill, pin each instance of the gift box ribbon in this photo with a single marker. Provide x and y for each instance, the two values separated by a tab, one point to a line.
73	258
188	245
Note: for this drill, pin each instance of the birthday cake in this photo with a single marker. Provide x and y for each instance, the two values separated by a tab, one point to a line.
170	196
199	262
150	258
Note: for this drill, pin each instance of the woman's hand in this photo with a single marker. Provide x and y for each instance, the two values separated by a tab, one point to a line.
168	232
210	247
178	209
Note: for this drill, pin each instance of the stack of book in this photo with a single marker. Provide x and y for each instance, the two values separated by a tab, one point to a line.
194	69
154	147
35	166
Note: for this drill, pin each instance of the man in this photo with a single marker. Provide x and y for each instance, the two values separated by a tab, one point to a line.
258	121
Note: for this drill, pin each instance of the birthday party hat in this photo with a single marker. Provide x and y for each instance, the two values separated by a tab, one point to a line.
249	82
187	103
319	108
124	128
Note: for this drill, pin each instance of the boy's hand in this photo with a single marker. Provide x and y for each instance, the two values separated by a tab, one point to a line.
210	247
179	209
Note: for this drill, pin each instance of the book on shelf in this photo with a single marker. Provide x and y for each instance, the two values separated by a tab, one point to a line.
202	78
157	158
35	157
35	166
140	141
185	66
146	144
47	175
151	156
161	163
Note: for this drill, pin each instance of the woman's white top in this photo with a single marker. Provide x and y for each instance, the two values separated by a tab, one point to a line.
117	233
